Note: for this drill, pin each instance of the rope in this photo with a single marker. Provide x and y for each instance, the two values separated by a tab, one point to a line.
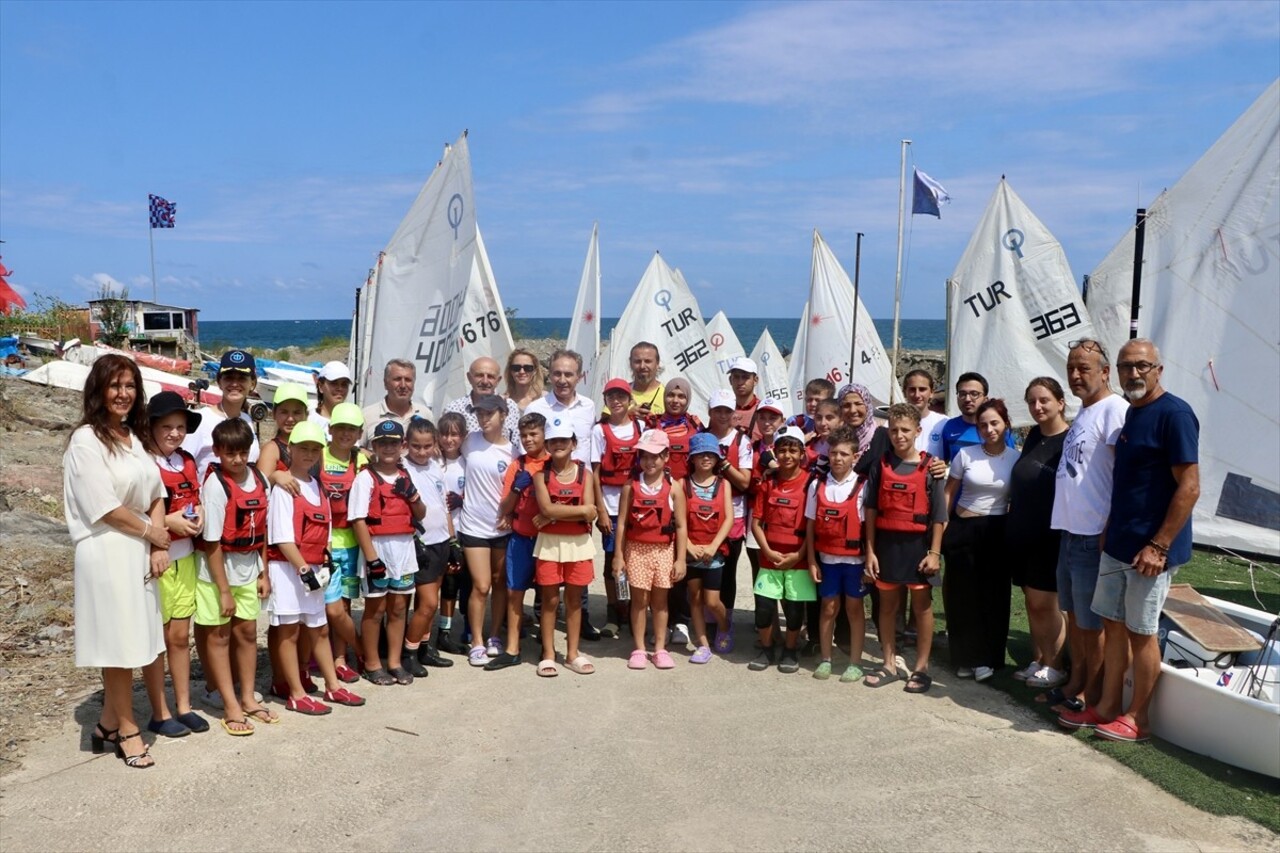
1251	567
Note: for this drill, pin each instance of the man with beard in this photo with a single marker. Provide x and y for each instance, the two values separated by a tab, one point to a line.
962	430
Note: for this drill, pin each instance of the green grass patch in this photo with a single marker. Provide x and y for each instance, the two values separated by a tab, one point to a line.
1202	782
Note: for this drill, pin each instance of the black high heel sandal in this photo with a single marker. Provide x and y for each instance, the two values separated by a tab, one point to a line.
134	761
101	736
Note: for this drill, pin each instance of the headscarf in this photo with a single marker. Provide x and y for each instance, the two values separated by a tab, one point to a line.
682	384
868	427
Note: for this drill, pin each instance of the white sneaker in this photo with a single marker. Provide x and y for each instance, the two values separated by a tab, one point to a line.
964	672
680	635
1048	677
213	699
982	673
1028	671
493	648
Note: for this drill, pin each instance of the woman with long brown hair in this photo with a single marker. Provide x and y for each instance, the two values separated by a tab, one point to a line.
525	379
115	514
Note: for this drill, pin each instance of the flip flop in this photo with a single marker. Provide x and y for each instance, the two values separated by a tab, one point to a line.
227	724
547	669
264	715
882	677
918	682
1121	730
582	665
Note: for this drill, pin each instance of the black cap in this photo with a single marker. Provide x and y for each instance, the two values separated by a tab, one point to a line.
237	359
388	429
490	403
168	402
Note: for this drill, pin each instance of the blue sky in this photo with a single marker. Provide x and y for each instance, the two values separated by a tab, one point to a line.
293	137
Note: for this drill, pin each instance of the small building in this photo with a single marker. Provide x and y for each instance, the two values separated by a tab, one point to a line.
169	330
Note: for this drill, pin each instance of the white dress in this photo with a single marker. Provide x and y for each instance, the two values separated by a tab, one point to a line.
117	607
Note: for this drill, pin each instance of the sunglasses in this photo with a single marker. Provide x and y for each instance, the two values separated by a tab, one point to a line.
1088	345
523	368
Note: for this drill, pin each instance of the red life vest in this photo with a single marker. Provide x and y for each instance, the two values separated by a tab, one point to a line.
244	528
619	457
837	529
389	513
902	504
337	487
310	530
286	458
527	504
730	452
705	516
781	506
182	487
566	494
679	432
650	517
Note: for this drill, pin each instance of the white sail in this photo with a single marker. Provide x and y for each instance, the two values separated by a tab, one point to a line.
415	305
725	346
796	378
830	325
1211	302
1013	305
772	370
484	330
584	328
664	312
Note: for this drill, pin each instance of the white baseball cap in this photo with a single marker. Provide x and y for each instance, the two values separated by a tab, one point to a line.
722	399
791	432
744	364
558	428
334	370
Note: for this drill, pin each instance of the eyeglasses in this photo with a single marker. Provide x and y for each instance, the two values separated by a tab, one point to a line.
1142	368
967	394
523	368
1088	345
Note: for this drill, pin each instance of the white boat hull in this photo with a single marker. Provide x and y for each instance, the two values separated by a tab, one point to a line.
72	375
1191	710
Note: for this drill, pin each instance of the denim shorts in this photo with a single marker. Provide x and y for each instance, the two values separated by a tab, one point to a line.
1125	595
1077	577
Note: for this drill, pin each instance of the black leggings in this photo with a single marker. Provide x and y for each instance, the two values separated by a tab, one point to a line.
729	579
767	607
976	590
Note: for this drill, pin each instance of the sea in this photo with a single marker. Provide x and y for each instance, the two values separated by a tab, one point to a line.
274	334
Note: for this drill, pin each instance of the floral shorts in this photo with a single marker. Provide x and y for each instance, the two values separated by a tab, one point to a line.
649	565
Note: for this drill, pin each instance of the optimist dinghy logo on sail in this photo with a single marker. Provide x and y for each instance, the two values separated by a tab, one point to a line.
456	209
1013	240
663	298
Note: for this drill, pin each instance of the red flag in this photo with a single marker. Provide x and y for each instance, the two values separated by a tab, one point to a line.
9	298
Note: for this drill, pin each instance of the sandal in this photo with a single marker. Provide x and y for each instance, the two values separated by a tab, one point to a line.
662	659
882	677
547	669
582	665
379	677
638	659
918	682
242	732
263	715
101	736
135	761
1060	701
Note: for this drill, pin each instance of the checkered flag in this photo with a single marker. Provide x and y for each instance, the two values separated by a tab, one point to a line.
162	212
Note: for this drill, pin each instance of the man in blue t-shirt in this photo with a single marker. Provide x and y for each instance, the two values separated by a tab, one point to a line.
962	430
1154	488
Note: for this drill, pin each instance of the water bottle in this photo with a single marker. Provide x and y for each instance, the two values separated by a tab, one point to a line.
624	588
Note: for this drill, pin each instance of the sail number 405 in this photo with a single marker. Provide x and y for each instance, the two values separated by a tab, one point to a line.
1055	321
472	331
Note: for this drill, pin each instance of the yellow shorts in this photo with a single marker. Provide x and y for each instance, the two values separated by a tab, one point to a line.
209	610
178	589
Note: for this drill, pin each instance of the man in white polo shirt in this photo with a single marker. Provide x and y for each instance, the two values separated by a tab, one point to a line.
398	405
563	400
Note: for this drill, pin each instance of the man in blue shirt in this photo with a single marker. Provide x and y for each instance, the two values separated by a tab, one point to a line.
962	430
1154	488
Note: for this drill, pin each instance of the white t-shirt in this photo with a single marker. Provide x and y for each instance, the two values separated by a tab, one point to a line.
454	476
836	490
242	567
200	443
986	479
429	481
178	548
395	550
1082	491
623	432
320	421
581	414
745	459
930	438
288	595
486	465
280	510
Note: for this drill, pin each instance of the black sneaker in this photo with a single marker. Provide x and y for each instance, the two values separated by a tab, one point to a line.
502	661
445	643
810	649
589	632
768	655
409	663
428	656
790	661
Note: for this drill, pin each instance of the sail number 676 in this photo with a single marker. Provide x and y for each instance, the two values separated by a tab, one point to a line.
1055	321
480	328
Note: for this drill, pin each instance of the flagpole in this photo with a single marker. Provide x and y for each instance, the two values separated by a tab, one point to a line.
857	275
897	278
151	238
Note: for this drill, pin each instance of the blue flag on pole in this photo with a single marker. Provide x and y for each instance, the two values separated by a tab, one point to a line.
927	194
162	212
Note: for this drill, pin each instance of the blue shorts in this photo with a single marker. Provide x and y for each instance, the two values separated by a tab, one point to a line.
1077	577
1125	595
344	580
841	577
402	585
520	563
606	540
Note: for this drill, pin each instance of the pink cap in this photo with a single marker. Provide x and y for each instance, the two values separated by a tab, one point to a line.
653	441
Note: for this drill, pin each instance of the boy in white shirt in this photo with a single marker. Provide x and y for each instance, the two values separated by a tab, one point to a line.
434	546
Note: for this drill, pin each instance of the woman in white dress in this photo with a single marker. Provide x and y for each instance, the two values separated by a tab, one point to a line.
115	515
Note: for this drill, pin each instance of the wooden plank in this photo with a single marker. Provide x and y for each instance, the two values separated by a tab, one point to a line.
1206	624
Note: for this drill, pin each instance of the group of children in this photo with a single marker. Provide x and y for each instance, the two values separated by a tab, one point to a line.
310	521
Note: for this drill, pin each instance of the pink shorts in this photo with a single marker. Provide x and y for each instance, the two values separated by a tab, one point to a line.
577	573
649	564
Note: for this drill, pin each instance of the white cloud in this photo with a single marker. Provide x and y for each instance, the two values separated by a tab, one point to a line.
94	284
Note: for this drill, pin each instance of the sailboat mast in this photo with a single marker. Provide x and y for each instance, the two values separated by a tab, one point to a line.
897	278
1139	238
857	276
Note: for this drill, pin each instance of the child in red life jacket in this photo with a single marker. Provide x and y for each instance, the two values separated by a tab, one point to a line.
232	578
678	424
834	539
297	561
288	409
766	421
815	391
826	417
384	510
613	461
170	423
708	520
778	522
516	513
735	467
435	546
564	552
651	545
339	464
906	514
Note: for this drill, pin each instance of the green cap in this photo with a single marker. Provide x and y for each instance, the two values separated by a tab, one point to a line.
307	431
290	391
347	414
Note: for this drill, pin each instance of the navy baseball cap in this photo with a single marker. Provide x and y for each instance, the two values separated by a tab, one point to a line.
238	360
388	429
